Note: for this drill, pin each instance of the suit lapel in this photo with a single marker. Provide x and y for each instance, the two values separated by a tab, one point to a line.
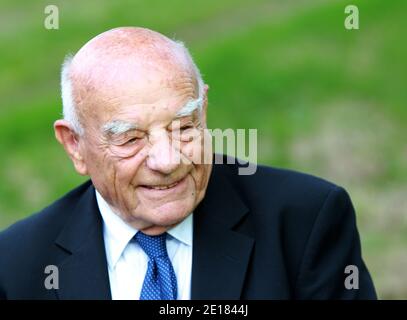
83	273
220	254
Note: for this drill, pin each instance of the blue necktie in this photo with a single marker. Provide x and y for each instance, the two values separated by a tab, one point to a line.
160	282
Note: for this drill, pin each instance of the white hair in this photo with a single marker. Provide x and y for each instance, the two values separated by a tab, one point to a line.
190	107
117	127
195	70
70	110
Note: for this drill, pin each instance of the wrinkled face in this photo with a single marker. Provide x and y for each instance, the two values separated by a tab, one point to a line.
143	156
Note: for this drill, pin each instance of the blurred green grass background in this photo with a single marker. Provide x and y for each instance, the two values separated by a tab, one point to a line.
325	100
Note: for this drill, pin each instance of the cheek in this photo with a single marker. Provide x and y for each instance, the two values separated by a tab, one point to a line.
102	172
127	168
198	149
199	175
99	164
112	171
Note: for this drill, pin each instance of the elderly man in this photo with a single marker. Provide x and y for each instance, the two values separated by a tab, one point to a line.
157	220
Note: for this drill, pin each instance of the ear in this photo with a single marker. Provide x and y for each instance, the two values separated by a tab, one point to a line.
70	140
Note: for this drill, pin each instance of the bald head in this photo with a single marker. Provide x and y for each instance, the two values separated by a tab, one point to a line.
104	67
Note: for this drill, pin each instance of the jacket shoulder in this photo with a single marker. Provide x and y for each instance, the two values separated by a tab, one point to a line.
285	200
282	187
41	227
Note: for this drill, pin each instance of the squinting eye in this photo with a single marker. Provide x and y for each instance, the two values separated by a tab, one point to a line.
186	127
131	141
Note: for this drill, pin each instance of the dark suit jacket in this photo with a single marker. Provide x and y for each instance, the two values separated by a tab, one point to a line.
276	234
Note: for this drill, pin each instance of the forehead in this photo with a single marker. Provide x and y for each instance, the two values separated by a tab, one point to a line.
154	99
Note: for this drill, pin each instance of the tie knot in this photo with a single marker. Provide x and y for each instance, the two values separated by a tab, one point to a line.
153	246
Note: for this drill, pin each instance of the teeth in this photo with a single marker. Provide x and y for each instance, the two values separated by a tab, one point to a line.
164	187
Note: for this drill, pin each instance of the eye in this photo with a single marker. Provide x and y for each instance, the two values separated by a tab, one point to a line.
186	127
131	141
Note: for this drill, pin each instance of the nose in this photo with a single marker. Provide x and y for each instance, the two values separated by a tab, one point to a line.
163	156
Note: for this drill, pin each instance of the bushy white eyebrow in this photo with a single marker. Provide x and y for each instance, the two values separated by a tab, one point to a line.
190	107
118	127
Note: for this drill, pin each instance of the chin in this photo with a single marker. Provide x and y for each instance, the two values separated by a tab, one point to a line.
170	214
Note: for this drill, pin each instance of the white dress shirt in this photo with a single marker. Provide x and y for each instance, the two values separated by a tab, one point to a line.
127	262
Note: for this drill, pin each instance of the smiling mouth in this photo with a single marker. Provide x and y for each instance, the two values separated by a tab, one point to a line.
163	187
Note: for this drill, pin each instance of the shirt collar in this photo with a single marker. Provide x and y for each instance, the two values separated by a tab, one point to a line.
183	231
117	233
